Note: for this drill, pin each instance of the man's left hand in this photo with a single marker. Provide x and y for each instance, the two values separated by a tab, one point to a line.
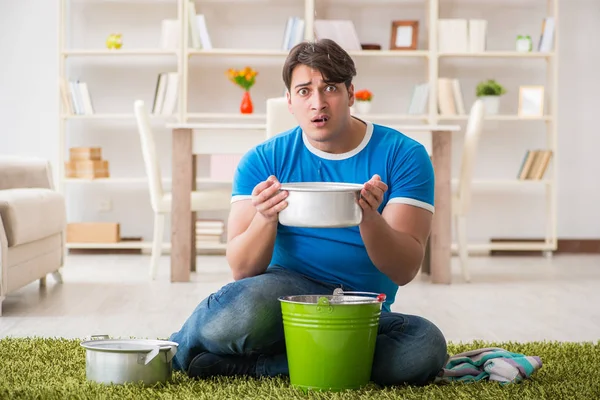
371	196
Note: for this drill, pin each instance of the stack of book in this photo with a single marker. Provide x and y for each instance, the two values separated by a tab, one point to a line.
462	35
209	232
86	163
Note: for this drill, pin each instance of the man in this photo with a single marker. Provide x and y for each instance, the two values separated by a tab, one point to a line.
238	330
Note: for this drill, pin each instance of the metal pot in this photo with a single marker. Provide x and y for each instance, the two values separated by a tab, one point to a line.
321	205
118	361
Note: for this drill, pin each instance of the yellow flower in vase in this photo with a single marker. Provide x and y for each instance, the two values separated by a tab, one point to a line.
244	78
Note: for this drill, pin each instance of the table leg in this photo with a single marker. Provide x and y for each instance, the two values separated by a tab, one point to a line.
441	232
181	221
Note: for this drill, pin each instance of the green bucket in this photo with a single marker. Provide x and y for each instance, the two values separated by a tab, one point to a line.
330	339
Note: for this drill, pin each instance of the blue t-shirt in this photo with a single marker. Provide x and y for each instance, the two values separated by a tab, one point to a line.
338	255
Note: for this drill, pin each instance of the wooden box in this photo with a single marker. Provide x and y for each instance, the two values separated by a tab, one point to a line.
85	153
93	232
88	169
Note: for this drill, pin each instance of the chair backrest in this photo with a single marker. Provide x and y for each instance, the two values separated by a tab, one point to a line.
472	134
279	117
149	153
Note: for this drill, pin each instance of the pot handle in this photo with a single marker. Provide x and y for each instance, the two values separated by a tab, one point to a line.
145	358
171	353
98	337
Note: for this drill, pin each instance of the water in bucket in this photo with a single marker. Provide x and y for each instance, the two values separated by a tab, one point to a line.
330	339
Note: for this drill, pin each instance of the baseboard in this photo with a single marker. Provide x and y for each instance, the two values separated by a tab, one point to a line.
200	252
564	246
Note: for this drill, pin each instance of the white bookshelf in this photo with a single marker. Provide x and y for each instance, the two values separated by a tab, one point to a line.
117	53
430	58
497	54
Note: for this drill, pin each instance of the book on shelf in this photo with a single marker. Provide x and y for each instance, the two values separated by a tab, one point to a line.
169	34
199	37
165	93
534	165
76	97
462	35
418	101
450	97
341	31
294	32
547	36
477	35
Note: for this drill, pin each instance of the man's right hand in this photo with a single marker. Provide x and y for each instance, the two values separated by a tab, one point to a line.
268	200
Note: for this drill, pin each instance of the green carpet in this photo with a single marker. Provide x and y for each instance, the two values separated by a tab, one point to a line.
39	368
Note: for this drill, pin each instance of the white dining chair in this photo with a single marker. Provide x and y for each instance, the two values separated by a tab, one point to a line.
462	196
214	199
279	117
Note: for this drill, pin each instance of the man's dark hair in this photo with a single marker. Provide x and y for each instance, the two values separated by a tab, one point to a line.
324	55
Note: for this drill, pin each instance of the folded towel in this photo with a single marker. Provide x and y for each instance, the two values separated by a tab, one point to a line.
492	363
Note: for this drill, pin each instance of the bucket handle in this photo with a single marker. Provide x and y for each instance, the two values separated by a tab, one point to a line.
380	297
323	305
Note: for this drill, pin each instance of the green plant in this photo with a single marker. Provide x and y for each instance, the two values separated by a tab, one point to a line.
490	88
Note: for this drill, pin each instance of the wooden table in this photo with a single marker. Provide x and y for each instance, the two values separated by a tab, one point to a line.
191	139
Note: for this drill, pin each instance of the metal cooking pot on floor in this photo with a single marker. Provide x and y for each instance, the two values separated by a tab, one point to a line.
118	361
321	205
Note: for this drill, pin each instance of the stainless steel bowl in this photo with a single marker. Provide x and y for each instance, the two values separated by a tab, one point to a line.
321	205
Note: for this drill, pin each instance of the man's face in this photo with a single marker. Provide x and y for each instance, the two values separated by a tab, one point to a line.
321	108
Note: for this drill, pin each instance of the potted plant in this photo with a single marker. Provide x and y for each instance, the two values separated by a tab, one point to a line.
244	78
490	91
362	101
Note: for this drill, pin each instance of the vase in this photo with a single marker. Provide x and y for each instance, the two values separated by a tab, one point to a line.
363	107
491	104
246	107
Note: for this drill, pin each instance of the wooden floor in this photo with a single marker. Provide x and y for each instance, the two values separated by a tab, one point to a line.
509	299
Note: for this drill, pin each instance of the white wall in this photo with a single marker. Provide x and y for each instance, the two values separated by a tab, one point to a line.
28	70
29	101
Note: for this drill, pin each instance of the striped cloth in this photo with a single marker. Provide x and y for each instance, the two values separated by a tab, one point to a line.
492	363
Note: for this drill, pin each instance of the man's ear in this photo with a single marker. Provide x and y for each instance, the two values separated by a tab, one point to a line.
289	100
351	95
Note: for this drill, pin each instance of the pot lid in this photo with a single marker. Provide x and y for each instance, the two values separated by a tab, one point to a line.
321	186
127	345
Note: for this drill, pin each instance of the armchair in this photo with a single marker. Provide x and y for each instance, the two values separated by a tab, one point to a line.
32	224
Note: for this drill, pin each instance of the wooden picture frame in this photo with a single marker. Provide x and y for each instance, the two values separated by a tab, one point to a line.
405	35
531	101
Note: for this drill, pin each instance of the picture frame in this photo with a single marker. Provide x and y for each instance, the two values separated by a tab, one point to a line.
405	35
531	101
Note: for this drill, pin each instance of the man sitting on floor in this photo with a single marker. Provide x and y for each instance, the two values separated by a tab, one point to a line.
239	330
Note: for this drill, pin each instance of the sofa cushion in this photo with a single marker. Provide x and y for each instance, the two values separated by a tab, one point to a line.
29	214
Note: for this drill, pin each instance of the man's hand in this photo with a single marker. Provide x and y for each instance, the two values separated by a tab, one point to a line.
371	196
267	199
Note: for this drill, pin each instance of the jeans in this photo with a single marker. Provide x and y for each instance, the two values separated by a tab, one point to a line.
244	318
